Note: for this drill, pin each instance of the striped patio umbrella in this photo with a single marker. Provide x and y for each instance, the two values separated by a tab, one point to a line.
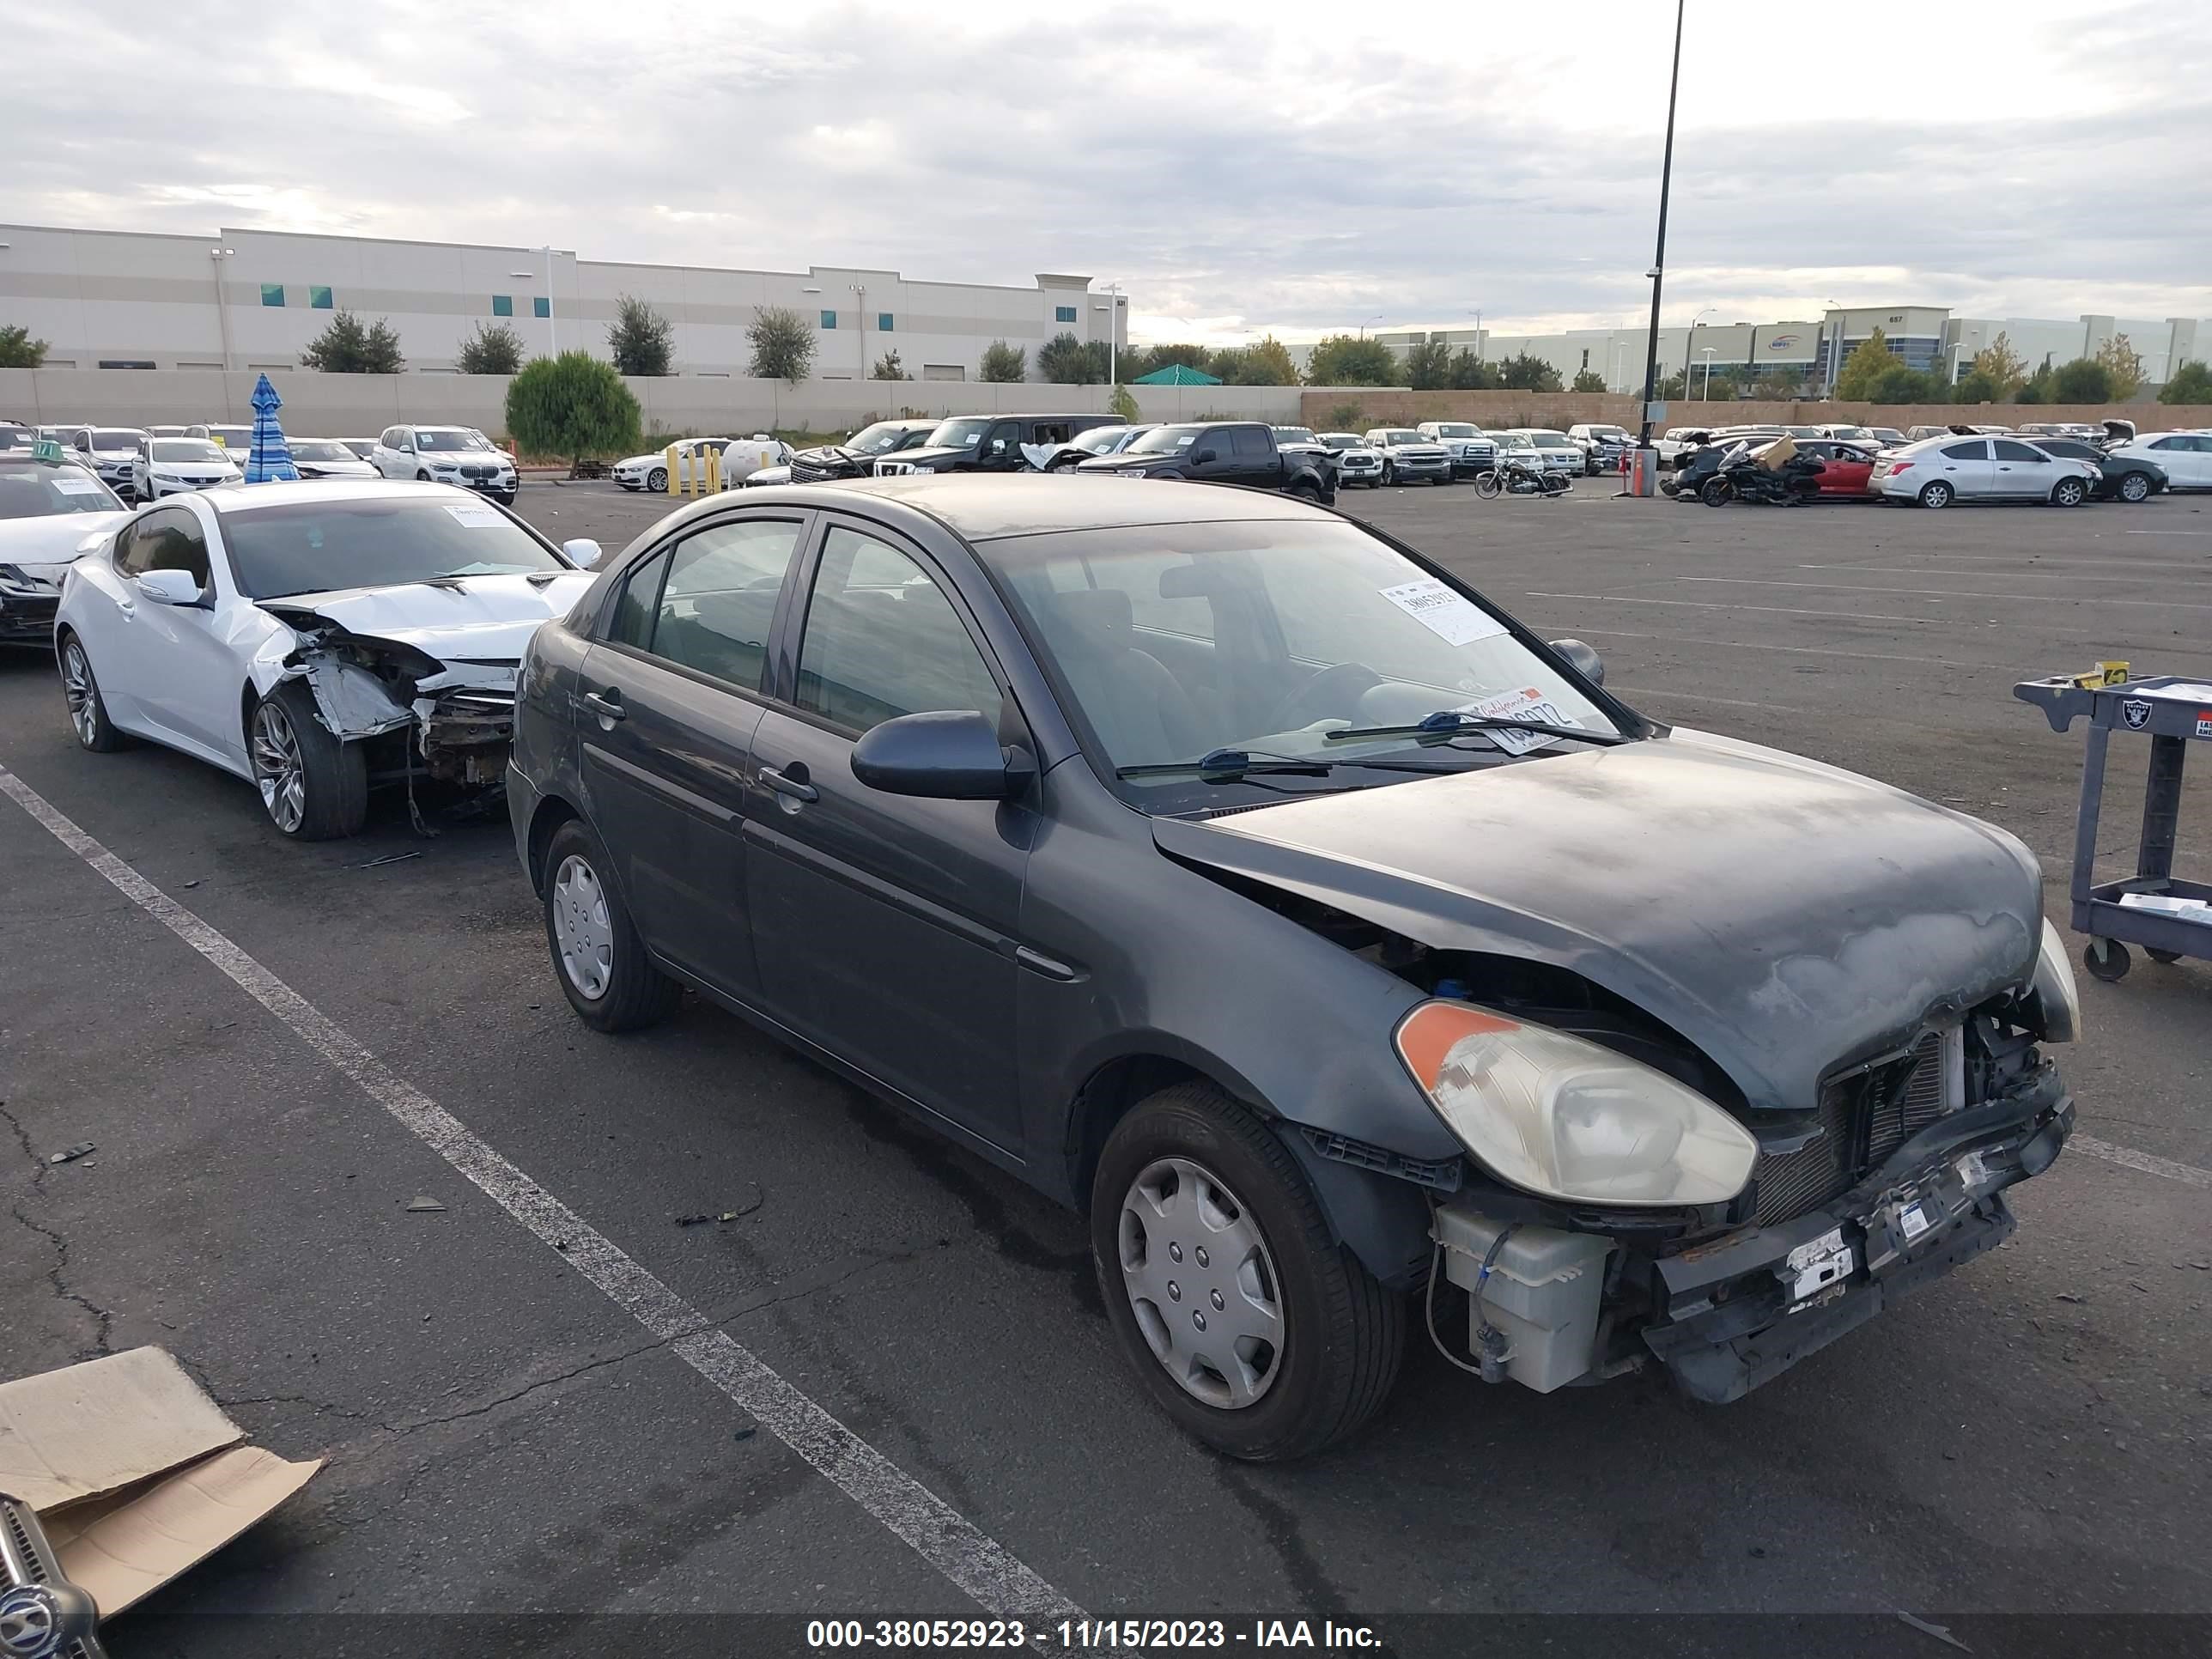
268	458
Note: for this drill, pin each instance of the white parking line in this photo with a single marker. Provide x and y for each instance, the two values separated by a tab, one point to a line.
984	1569
1942	593
2168	532
2188	1174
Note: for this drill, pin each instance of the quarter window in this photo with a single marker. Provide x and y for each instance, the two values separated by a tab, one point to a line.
713	611
882	640
1973	451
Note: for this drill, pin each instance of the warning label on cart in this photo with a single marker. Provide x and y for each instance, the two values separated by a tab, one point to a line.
2205	722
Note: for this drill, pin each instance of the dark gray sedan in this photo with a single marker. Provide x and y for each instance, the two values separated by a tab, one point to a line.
1347	953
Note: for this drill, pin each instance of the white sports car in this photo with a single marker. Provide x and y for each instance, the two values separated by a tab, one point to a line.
49	510
314	639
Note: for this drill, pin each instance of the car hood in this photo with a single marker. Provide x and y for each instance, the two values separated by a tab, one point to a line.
1427	447
47	545
929	455
1783	915
335	469
476	619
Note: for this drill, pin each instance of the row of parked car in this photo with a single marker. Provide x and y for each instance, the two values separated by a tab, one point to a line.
2059	464
143	464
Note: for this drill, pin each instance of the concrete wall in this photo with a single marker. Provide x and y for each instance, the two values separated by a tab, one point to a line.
1394	406
362	405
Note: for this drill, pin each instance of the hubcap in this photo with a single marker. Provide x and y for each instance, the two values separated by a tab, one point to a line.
83	699
582	932
2135	487
1201	1284
277	768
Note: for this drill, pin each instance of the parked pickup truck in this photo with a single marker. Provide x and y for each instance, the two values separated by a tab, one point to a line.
988	443
1243	453
1602	446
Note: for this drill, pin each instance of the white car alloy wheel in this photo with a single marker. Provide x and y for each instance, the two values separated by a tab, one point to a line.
82	696
1937	494
1201	1284
583	931
279	771
2068	492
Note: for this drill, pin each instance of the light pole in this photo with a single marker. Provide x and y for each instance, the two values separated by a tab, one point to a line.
1113	310
1705	392
1376	317
1658	271
860	314
216	256
1613	378
1477	314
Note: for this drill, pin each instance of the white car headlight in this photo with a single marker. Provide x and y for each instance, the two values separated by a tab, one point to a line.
1566	1118
2055	990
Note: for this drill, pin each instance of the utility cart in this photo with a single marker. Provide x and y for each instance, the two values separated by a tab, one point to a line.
2169	918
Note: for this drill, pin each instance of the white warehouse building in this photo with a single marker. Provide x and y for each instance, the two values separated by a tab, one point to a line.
253	299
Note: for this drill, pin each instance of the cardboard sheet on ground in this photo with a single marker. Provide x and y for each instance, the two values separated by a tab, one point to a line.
134	1472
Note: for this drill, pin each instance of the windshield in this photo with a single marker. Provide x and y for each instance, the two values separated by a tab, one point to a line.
1172	641
37	492
1341	440
1164	439
1515	441
1849	432
961	432
117	438
880	438
1802	431
430	437
1619	432
1100	440
313	449
1457	429
17	437
1544	439
310	547
190	451
1295	434
236	437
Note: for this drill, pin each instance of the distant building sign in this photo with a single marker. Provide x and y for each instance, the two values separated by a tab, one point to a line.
1782	343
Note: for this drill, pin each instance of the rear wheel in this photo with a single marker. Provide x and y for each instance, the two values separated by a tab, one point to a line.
597	954
1937	494
2068	492
88	713
1249	1324
2135	487
313	785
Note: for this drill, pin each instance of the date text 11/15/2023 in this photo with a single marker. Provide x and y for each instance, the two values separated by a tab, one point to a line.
1086	1635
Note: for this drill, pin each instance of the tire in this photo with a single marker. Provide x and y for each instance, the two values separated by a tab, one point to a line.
87	709
656	482
615	986
1390	473
1486	486
2157	954
1342	1334
1936	495
1716	492
2068	492
2106	959
1444	479
422	477
313	786
2135	487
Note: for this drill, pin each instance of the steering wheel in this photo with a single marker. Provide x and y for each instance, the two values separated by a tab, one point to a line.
1337	685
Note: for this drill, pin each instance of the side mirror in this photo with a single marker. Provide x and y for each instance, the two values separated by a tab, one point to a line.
1205	458
170	587
583	552
946	756
1582	658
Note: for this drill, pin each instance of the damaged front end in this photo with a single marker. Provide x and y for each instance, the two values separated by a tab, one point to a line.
451	721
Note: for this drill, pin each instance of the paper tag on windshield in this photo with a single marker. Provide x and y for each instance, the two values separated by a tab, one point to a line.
1451	615
76	486
475	517
1528	702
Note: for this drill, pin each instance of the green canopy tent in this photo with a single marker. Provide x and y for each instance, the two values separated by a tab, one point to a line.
1177	374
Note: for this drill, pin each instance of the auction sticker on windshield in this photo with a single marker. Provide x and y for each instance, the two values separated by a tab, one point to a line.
1442	612
1528	702
76	486
477	517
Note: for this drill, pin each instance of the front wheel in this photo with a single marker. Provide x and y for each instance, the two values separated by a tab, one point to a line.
1390	473
597	954
2135	487
314	785
2068	492
1937	495
1716	492
1486	486
422	477
657	480
88	710
1249	1324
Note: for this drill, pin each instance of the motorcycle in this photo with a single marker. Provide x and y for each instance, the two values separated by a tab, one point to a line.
1515	478
1778	477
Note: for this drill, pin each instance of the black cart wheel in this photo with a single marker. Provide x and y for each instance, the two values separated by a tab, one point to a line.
2106	959
2157	954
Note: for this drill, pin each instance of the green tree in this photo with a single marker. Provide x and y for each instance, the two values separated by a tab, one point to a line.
1103	363
1345	417
489	351
1999	367
783	345
1867	363
1003	364
1901	385
1348	360
1167	356
2039	388
888	367
1587	379
1673	385
641	340
1976	387
1061	361
1265	362
574	406
18	349
1526	372
1471	374
1428	366
1123	403
2191	383
2084	380
349	346
2119	359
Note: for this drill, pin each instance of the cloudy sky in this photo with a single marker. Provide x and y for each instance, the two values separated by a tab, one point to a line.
1291	168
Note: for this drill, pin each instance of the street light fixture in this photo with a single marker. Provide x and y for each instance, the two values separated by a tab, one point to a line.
1376	317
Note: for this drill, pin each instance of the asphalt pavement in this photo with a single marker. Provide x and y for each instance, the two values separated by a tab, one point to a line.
509	1431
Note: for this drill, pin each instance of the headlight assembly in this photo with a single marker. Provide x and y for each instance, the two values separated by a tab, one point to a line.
2055	991
1566	1118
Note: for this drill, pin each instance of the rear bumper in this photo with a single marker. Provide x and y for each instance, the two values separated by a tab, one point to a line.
1740	1310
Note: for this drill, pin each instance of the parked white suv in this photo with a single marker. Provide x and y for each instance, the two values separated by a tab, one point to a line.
109	452
1473	450
1555	451
446	454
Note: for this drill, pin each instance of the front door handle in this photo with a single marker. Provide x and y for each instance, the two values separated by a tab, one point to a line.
793	788
608	708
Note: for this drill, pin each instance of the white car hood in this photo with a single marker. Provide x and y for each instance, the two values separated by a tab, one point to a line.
479	619
46	546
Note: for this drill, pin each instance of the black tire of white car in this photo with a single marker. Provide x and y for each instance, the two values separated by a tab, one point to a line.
2068	492
89	719
334	773
1343	1334
636	993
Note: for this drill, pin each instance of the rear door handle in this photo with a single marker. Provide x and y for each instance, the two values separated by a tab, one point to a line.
795	789
609	707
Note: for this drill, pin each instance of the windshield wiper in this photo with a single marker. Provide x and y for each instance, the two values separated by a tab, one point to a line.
1451	722
1229	765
